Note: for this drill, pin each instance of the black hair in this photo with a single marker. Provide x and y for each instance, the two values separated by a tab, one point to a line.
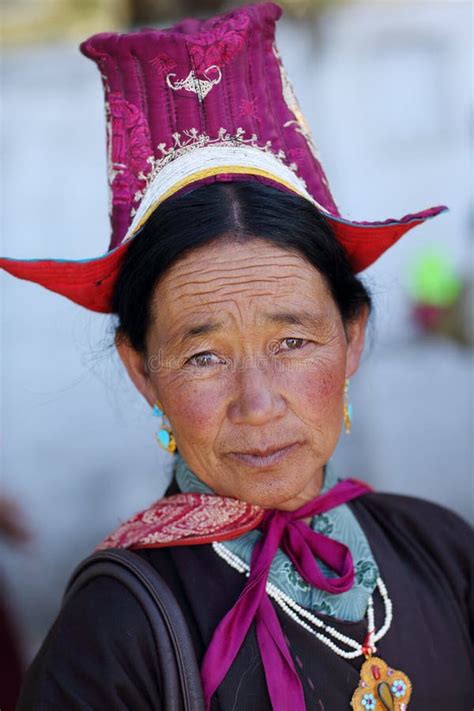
239	210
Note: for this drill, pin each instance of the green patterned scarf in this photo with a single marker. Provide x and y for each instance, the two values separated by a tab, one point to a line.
339	523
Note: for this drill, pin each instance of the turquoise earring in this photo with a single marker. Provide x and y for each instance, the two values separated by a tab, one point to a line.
164	436
347	408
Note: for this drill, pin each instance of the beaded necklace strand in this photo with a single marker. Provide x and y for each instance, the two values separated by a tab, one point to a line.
378	681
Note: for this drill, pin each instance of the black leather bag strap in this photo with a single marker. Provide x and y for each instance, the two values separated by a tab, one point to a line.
181	682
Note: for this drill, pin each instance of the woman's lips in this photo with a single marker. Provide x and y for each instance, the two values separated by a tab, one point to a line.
262	459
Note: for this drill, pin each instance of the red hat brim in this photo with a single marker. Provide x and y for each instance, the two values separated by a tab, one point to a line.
90	282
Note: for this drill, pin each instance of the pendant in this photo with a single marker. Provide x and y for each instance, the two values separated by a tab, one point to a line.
166	439
381	688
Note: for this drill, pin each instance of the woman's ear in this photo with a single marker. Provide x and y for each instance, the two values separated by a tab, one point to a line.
135	365
355	331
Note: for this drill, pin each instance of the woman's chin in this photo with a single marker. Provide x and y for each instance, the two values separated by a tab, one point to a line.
277	488
284	500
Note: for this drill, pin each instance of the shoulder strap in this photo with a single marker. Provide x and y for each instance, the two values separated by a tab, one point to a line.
182	690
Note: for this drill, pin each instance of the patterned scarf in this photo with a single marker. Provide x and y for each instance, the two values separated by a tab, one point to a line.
339	524
322	562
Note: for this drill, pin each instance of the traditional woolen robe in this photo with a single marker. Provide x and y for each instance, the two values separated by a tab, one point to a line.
100	653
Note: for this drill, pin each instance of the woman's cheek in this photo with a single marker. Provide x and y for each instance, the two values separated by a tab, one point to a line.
196	411
317	390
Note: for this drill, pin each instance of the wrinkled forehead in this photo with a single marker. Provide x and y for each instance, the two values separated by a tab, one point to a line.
246	278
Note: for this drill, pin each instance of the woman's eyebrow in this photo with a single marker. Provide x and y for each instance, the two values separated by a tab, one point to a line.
297	318
200	329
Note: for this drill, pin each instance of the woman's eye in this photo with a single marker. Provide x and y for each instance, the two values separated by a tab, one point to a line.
292	344
203	359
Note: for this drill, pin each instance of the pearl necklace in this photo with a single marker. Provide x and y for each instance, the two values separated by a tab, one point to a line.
313	624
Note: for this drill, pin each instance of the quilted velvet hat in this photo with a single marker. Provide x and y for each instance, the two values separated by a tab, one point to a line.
202	101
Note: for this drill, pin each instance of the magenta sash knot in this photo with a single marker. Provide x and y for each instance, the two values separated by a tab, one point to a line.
285	530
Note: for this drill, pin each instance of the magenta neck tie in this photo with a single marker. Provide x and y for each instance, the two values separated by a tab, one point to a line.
285	530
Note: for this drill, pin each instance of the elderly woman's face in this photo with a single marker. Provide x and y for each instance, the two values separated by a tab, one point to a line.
248	355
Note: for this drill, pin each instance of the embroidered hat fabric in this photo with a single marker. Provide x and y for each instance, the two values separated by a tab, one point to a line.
202	101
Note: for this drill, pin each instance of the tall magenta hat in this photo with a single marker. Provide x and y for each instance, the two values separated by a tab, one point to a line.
202	101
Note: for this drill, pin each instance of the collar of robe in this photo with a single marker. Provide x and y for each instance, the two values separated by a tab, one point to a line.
194	519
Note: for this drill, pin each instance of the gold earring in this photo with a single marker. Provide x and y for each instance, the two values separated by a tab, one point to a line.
347	408
164	436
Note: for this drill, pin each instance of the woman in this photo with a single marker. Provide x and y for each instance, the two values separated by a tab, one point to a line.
240	321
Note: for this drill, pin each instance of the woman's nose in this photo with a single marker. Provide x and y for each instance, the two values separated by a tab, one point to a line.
256	401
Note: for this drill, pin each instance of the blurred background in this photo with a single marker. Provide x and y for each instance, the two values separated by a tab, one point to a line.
387	90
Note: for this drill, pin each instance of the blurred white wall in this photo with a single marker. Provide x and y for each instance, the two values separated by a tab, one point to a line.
386	89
